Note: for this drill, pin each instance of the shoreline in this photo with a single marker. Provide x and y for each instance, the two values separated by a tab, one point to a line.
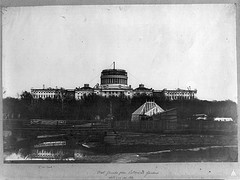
197	154
148	147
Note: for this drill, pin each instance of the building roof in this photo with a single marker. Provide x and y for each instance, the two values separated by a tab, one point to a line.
149	108
157	91
83	89
180	90
46	89
114	72
86	88
142	89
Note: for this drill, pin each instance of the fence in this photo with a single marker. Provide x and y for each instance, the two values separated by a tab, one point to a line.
167	126
145	126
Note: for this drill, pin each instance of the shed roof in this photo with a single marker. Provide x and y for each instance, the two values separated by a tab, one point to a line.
149	108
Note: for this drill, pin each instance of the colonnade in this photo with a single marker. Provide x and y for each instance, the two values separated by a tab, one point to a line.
114	81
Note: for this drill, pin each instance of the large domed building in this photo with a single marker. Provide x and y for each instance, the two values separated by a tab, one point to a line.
114	77
114	82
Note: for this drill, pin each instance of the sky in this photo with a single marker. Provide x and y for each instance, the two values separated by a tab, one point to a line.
160	46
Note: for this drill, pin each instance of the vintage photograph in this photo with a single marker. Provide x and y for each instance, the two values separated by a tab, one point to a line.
119	83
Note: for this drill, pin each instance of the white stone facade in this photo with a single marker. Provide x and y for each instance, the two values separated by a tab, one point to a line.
45	93
113	83
179	94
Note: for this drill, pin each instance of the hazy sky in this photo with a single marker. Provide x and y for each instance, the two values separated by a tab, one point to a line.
161	46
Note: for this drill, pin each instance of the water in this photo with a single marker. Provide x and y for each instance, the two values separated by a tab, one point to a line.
84	155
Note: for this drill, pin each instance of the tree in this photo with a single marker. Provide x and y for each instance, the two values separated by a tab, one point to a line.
26	97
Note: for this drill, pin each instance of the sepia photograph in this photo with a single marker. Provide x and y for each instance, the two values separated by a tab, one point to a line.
120	84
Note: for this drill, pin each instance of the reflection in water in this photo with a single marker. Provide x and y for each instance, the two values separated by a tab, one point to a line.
109	147
84	155
13	157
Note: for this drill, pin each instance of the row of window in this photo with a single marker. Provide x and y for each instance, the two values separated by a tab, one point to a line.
104	93
190	95
44	92
84	93
171	95
113	81
179	93
108	92
179	97
44	96
115	93
138	93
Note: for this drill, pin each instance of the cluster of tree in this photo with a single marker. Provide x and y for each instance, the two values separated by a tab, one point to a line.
93	106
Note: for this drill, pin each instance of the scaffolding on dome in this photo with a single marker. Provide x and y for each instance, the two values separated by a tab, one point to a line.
148	109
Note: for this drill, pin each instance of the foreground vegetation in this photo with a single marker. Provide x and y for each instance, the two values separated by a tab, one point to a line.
94	106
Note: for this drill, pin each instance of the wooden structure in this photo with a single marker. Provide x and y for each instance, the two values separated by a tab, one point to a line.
148	109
